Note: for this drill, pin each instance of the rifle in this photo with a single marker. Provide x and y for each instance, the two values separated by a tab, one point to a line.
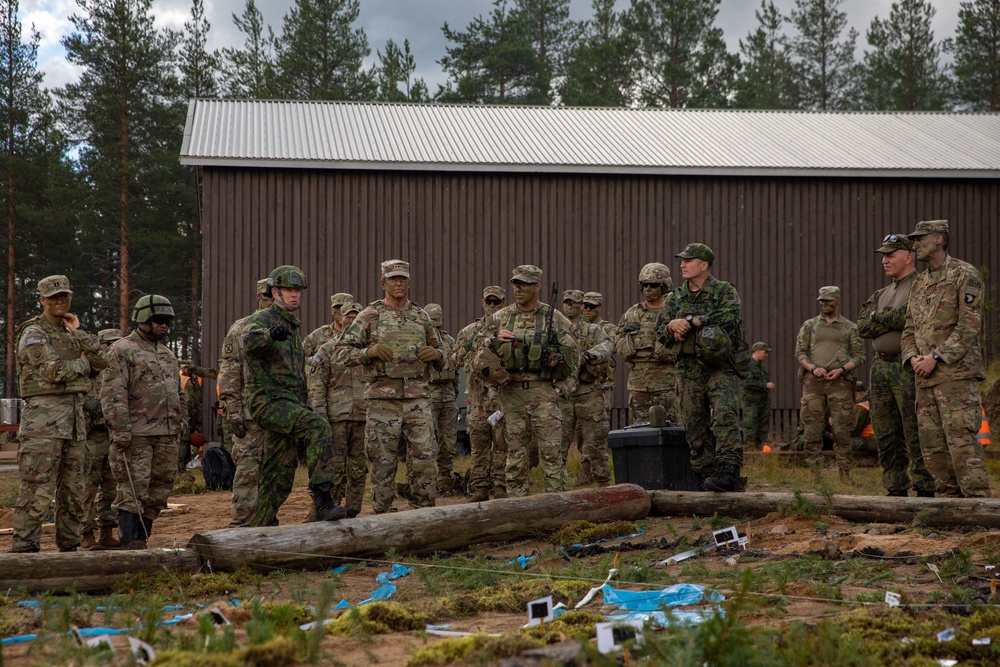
551	356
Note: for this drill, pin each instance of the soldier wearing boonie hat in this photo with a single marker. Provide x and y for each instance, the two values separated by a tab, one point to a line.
893	394
828	350
757	389
312	342
487	446
941	345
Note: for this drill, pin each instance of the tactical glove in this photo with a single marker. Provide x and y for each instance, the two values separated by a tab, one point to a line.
379	351
631	326
280	332
238	427
93	406
428	354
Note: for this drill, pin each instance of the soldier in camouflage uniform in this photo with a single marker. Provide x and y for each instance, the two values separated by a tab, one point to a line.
337	393
543	367
55	359
248	437
593	307
395	343
702	318
145	412
893	393
101	486
651	378
327	332
586	420
757	398
275	392
941	345
828	350
444	394
488	455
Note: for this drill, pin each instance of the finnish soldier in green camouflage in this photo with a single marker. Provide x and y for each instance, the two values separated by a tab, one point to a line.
757	389
893	393
941	345
702	318
248	436
337	393
275	392
543	366
444	394
585	420
651	378
395	342
100	480
488	455
145	411
55	359
319	336
828	350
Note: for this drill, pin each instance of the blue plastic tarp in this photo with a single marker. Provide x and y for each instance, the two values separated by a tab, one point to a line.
678	595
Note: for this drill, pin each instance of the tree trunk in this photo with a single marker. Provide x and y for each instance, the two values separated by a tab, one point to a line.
9	384
123	315
318	545
872	509
88	570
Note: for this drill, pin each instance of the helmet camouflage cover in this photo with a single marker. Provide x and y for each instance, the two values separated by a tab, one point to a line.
149	306
286	276
654	272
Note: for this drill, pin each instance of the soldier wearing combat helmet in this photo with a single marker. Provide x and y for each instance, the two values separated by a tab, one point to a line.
275	392
651	379
55	359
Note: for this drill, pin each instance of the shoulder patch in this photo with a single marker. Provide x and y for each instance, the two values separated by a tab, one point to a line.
33	339
970	297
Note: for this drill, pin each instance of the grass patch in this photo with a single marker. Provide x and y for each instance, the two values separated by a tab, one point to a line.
510	597
461	650
377	618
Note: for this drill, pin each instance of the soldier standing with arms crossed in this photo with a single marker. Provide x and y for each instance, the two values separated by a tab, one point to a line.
941	345
444	394
55	359
892	391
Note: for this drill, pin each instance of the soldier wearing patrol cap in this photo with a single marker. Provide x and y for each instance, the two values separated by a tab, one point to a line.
55	359
247	436
941	346
593	309
396	345
312	342
488	455
757	389
828	350
543	361
651	378
444	394
893	393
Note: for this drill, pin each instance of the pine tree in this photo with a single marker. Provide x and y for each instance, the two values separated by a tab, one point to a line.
977	55
767	78
199	68
553	35
248	72
902	70
682	55
825	65
393	75
320	52
600	70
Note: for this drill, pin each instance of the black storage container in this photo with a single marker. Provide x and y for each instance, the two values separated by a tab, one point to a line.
653	458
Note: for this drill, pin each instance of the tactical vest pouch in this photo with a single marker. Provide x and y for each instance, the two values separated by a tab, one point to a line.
404	334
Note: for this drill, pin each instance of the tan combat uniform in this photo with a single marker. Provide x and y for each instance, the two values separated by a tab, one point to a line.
587	421
651	377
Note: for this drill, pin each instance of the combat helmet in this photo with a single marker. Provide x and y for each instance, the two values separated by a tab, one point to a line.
654	272
713	346
149	306
287	276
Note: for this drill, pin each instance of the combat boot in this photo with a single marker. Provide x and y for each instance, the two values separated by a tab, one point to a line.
726	479
482	494
87	540
107	540
924	494
129	529
326	510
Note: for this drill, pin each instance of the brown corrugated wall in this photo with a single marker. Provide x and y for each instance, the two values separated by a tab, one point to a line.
777	239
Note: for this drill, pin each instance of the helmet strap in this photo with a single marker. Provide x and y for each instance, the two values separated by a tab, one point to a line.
280	300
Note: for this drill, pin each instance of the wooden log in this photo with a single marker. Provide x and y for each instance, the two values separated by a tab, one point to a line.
317	545
87	570
870	509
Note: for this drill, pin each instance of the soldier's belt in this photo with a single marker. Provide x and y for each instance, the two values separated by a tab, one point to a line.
888	357
528	384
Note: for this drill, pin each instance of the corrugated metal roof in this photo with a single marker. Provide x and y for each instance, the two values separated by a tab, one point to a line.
340	135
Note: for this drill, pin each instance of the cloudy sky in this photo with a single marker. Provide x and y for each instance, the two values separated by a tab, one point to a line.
419	21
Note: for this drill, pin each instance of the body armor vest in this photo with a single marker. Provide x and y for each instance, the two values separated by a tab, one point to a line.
403	333
30	379
524	356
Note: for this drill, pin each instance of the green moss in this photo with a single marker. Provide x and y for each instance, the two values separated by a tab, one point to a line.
377	618
171	585
278	652
189	483
577	624
195	659
510	597
585	532
477	649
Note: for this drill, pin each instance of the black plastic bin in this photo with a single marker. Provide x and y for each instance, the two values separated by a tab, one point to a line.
653	458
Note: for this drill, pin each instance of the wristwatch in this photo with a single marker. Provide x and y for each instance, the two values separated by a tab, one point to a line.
935	356
690	318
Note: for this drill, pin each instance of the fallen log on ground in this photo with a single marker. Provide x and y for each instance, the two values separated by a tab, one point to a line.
88	570
318	545
871	509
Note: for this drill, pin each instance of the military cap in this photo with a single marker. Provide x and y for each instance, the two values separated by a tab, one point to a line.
436	313
760	346
496	292
574	295
262	286
395	267
828	293
351	308
894	242
341	299
594	298
925	227
108	336
527	273
697	251
53	285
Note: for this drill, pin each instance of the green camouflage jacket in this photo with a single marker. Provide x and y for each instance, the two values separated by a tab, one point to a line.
276	369
716	304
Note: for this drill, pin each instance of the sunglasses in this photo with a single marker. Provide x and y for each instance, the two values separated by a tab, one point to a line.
590	306
161	319
649	285
493	301
570	302
893	238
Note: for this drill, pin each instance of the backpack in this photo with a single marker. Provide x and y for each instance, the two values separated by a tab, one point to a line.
218	468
